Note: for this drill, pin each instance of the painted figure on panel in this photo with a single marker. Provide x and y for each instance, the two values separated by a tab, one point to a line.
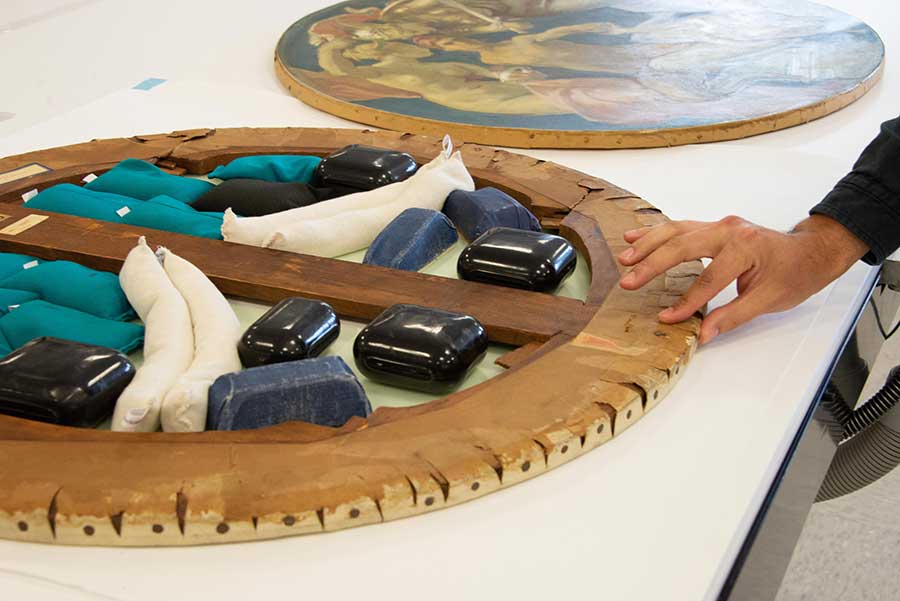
581	64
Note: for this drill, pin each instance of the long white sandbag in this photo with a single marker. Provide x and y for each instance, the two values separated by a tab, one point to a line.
346	232
216	334
168	340
254	231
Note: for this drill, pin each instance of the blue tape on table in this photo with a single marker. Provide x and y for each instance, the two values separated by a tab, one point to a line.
148	84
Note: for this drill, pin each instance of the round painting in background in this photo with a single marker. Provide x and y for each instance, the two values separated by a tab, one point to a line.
580	73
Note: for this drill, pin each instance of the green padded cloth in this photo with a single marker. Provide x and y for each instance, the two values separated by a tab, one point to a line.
11	298
5	349
161	212
139	179
270	167
75	200
11	264
75	286
40	318
164	213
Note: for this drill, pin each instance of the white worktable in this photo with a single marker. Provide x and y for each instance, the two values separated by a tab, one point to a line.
658	513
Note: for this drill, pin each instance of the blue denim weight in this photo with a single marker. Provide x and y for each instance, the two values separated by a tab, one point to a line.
320	391
476	212
412	240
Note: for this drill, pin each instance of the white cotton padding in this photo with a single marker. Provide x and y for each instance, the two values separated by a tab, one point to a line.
216	334
346	232
255	231
168	340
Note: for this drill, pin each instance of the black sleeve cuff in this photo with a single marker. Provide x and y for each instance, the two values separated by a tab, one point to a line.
863	206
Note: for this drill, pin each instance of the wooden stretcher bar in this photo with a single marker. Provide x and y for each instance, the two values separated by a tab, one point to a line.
355	291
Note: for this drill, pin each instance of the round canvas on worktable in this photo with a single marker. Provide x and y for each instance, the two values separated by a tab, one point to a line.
580	73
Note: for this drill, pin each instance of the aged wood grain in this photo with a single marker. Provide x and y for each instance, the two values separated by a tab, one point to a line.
355	291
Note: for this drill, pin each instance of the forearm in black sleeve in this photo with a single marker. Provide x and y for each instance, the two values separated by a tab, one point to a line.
867	200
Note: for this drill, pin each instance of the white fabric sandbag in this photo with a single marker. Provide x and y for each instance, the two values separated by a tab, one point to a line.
168	340
255	231
216	333
342	233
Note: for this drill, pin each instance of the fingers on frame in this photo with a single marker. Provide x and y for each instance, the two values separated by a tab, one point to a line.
646	240
649	241
632	235
695	244
736	313
724	269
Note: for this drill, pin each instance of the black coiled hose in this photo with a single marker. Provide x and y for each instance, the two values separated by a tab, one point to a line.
837	412
868	450
861	461
875	408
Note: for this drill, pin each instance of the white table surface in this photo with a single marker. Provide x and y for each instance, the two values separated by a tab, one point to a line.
658	513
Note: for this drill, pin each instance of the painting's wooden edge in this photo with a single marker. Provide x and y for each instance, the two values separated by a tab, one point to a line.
559	402
601	140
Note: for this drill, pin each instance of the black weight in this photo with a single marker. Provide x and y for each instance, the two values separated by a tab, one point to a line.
518	259
359	167
63	382
296	328
420	348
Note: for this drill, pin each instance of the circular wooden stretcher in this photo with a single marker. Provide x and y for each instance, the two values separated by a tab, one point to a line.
583	372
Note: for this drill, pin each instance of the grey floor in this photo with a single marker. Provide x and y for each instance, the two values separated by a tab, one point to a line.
850	546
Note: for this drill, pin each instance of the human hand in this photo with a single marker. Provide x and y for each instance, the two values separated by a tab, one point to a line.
775	271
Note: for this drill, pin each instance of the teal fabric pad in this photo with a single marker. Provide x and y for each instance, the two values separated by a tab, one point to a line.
11	264
75	200
164	213
10	298
40	318
75	286
5	349
270	167
161	212
141	180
